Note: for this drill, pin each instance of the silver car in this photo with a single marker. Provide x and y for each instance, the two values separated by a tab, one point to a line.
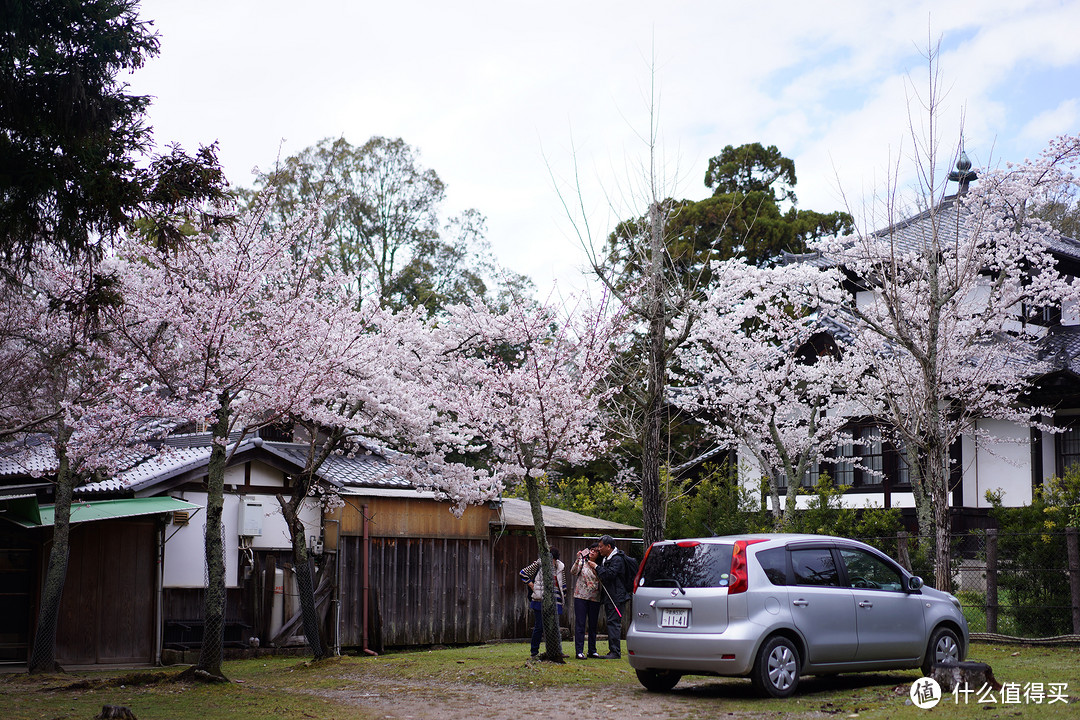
774	607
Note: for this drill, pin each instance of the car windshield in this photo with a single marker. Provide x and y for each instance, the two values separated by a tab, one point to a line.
687	566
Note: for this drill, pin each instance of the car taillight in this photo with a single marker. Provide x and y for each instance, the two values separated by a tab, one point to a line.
640	568
738	582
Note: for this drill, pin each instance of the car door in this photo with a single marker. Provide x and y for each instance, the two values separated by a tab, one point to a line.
889	621
822	610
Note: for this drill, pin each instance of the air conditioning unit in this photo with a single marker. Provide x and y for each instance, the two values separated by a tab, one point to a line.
251	518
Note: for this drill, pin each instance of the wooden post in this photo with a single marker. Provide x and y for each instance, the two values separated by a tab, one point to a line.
902	549
991	580
1074	576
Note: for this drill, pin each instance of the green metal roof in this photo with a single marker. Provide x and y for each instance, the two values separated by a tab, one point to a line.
90	510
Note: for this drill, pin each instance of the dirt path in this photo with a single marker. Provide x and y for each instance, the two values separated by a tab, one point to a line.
406	700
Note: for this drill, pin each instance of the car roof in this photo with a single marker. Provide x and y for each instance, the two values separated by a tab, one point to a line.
762	536
774	539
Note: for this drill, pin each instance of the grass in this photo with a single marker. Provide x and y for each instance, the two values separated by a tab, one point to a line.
291	688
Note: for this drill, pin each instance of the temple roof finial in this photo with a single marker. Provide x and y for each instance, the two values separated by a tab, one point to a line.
963	173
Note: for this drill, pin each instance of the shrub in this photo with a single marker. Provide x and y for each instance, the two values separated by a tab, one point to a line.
1031	549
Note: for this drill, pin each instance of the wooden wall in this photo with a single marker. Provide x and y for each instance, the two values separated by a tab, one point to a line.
407	517
424	591
107	609
431	591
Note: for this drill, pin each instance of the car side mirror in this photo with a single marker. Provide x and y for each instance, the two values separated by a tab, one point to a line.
914	583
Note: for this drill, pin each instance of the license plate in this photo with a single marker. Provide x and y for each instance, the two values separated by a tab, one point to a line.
675	618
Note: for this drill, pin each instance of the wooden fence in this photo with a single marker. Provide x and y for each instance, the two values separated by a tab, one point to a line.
433	591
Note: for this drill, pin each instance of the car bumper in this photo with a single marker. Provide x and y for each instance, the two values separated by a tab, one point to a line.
708	653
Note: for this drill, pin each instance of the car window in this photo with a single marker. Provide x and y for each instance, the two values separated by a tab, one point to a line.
689	566
774	563
865	570
814	566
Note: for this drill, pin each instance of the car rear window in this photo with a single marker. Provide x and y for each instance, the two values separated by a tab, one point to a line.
690	566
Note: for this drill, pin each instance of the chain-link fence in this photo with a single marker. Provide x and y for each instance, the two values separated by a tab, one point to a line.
1020	585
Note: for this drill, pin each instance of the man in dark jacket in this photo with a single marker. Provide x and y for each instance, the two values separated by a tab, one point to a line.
611	572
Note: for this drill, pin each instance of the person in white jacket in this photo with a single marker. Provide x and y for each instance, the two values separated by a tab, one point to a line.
532	576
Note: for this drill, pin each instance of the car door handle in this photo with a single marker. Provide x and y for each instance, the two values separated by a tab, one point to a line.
866	603
800	602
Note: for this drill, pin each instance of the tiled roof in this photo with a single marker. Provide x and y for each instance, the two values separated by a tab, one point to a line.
30	456
368	468
1061	348
165	464
186	453
912	235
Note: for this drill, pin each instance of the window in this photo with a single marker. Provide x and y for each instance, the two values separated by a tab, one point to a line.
868	571
1068	448
814	567
774	563
873	457
844	465
688	566
903	470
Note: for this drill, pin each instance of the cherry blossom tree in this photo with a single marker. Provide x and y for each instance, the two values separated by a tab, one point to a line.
758	370
947	303
386	367
530	383
235	328
58	384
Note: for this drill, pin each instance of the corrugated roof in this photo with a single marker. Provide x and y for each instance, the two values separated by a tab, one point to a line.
517	514
91	510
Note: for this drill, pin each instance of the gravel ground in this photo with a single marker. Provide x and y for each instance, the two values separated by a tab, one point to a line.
693	698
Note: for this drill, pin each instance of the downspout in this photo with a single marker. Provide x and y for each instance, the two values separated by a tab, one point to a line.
365	569
337	586
159	634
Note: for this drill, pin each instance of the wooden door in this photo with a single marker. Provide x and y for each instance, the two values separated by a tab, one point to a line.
107	611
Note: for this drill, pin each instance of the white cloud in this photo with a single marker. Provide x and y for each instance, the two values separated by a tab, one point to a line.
486	89
1063	119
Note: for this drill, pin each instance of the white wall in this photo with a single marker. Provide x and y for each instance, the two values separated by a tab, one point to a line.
1070	313
1003	464
185	563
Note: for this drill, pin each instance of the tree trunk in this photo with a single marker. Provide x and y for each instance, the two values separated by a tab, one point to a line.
942	534
652	506
43	656
305	583
552	634
213	641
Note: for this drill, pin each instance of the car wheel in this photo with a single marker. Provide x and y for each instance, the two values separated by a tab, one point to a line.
658	680
943	646
776	670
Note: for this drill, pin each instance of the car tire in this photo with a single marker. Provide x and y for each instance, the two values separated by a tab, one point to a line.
944	645
658	680
777	667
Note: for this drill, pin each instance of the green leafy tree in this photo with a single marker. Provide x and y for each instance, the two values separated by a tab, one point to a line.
71	135
752	213
71	179
381	211
716	504
1063	214
667	253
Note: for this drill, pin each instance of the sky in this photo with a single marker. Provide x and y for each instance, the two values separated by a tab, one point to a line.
525	109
